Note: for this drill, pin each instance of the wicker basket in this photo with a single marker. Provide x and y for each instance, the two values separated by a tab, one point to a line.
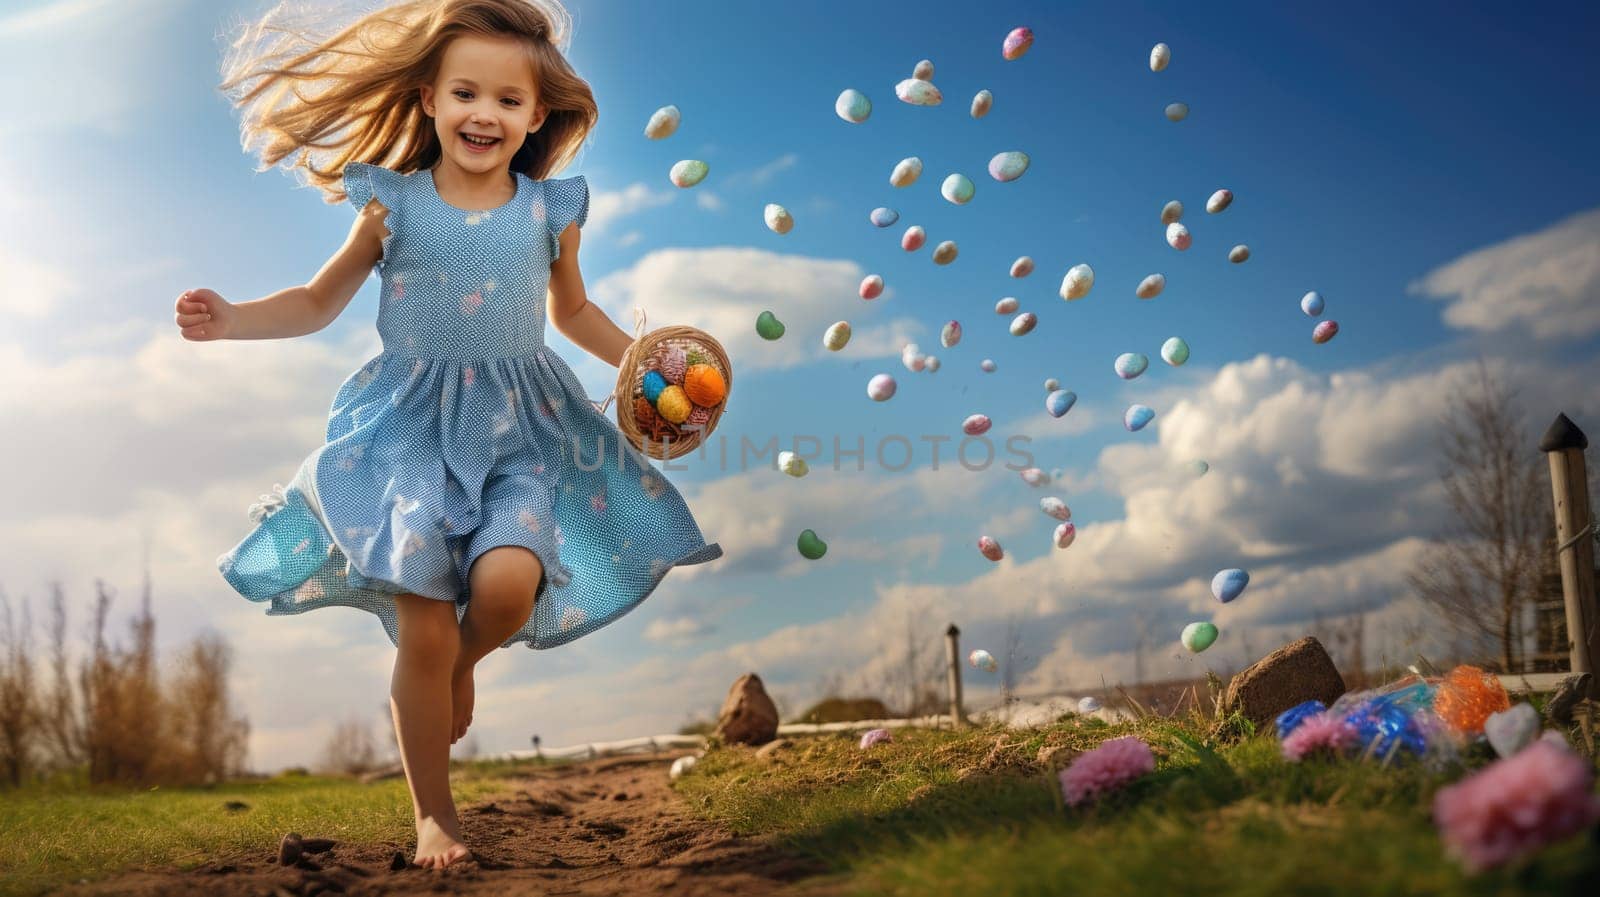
660	438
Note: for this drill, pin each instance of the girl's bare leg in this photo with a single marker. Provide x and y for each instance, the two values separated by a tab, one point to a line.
504	581
419	696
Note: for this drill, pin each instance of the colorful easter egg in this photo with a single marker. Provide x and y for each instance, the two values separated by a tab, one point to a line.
704	386
1137	416
1311	303
1008	166
1016	43
768	325
1060	401
881	388
652	385
932	364
1177	111
1151	286
778	219
982	660
1051	384
792	464
1229	583
990	548
1130	365
811	545
1006	305
981	103
837	336
987	365
1239	254
1171	212
1024	323
871	286
945	252
1160	55
1022	267
913	238
976	424
672	361
1055	507
918	92
883	217
1219	200
673	405
906	172
957	188
873	737
923	70
1090	704
1064	534
1078	282
853	106
1324	331
1035	477
1198	636
1175	351
1178	236
663	122
1199	468
688	172
951	334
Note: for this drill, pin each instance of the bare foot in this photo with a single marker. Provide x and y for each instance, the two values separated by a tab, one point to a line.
460	703
436	847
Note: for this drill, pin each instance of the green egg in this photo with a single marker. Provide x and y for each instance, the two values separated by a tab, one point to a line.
768	326
811	547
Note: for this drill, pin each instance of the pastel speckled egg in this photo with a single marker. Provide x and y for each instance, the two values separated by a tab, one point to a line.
1311	303
1324	331
1078	282
1151	286
1022	267
881	388
906	172
987	365
1016	43
778	219
990	549
951	334
652	386
982	660
1198	636
1055	507
768	326
976	424
1024	323
853	106
913	238
1175	351
1177	111
1090	704
663	122
1229	584
1160	55
1008	166
1239	253
1219	200
981	103
1137	416
1178	236
1051	384
957	188
688	172
871	286
1007	305
918	92
932	364
792	464
681	766
883	217
837	336
911	356
1065	533
811	545
874	737
945	252
1035	477
1130	365
1060	401
923	70
1171	212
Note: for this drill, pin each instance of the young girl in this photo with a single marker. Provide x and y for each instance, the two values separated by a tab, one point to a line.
469	494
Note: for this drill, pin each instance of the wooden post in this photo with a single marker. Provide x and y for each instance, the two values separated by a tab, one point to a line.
952	652
1564	443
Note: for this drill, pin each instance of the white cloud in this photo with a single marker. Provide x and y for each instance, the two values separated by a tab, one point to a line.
607	207
1547	282
677	630
707	200
756	177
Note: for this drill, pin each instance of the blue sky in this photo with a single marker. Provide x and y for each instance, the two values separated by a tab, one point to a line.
1370	149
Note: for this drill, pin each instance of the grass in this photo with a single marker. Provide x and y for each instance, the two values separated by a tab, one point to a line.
975	811
54	836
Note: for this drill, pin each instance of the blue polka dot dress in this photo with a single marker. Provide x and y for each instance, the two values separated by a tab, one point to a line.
466	433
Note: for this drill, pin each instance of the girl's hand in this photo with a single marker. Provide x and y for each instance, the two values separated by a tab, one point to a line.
202	315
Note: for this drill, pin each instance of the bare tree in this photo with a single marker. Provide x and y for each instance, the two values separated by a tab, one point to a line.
63	724
1481	573
208	741
1011	650
18	706
351	748
1143	618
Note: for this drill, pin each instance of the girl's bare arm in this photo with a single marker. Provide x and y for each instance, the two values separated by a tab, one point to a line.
574	315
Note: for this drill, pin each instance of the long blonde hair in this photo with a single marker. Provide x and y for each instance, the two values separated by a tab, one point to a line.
355	96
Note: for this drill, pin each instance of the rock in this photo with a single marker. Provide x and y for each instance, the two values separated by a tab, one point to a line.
317	845
766	751
290	849
1298	672
748	715
398	862
1558	710
235	806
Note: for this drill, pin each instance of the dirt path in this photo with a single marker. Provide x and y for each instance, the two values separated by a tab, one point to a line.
601	827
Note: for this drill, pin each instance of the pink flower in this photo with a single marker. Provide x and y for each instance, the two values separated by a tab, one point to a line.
1107	768
1516	805
1320	732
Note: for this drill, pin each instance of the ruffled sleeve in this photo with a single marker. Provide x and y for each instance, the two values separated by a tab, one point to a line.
364	182
566	201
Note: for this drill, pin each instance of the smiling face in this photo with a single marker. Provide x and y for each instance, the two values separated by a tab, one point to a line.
485	89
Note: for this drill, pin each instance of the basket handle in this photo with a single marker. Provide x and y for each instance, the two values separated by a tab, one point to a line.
638	333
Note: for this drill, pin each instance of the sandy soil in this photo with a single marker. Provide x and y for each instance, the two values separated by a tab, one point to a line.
610	826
